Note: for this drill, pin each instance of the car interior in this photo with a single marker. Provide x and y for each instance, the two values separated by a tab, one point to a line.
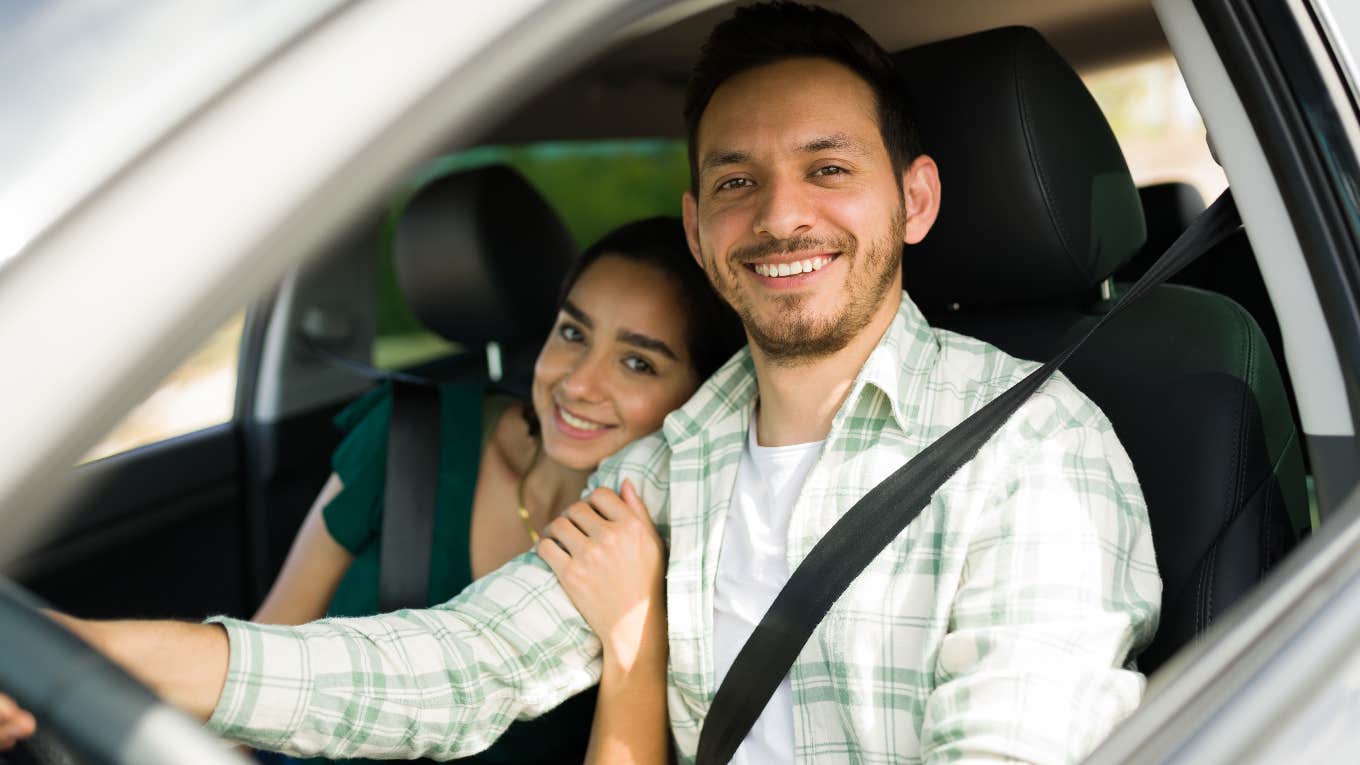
1042	227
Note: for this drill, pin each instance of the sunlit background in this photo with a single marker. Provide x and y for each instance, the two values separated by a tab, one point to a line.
1146	102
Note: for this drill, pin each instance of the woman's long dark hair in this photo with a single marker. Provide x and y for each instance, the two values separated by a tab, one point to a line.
712	330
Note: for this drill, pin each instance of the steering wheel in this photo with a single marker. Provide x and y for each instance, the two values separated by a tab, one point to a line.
87	701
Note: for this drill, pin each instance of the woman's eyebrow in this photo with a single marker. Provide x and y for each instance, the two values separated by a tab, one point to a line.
571	309
637	339
647	342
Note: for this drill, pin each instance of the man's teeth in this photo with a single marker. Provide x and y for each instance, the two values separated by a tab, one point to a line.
577	422
793	269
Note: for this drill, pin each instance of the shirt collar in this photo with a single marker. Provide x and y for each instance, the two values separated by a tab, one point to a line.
730	392
898	367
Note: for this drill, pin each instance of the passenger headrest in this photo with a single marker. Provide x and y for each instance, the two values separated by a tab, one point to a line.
480	256
1036	199
1169	208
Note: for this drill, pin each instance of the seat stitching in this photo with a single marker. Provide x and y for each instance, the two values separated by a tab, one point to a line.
1036	165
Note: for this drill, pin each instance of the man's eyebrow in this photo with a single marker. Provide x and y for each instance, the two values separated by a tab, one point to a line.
835	142
722	158
571	309
647	343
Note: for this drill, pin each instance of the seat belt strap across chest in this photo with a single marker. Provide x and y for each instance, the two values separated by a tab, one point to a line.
881	514
409	499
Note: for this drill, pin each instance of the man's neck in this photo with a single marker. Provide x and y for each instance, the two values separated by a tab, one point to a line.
798	401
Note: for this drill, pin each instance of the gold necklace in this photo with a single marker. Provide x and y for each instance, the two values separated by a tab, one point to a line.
524	511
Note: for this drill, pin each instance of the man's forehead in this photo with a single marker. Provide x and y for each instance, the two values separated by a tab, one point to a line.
789	106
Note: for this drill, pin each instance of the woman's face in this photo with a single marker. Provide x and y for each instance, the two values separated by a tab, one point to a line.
615	363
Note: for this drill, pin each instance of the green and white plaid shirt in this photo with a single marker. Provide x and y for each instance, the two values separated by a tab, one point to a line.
997	626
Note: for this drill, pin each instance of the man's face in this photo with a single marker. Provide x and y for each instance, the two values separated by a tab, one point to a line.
798	217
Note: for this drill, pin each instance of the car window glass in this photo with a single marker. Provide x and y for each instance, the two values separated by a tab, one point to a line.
1157	124
593	186
199	394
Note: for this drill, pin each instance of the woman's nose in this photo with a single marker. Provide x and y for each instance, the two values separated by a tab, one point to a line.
586	380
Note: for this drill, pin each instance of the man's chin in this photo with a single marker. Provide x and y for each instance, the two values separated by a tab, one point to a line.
794	342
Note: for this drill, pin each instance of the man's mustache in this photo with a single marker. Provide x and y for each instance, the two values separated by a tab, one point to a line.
806	243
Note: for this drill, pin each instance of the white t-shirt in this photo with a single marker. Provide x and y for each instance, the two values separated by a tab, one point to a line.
752	568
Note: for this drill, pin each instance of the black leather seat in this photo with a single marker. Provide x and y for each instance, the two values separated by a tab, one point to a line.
480	257
1038	210
1168	209
1229	270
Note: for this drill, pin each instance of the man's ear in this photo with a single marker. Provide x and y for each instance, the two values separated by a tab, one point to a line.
920	198
689	207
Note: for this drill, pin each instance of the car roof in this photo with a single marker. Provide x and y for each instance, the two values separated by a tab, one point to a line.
635	89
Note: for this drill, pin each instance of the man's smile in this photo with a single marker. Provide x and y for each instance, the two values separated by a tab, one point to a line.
789	270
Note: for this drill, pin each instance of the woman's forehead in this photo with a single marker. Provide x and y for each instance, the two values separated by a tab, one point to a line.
630	294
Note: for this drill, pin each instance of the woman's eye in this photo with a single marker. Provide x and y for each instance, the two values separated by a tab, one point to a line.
571	333
638	364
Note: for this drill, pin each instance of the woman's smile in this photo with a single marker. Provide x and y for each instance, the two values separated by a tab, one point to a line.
574	426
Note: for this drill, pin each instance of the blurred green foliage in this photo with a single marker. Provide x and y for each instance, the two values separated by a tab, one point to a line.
593	186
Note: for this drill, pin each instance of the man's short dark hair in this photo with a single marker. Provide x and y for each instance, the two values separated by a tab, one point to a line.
776	31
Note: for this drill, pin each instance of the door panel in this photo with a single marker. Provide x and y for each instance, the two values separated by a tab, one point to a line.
289	462
155	532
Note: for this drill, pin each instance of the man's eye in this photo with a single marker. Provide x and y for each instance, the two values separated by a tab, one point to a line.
571	333
639	364
829	170
734	183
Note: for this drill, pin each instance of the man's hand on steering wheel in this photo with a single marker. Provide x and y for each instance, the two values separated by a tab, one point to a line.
15	723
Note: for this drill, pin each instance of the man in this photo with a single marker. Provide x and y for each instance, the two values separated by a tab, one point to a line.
996	627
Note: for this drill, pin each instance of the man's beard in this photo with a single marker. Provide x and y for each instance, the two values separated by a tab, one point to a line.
791	337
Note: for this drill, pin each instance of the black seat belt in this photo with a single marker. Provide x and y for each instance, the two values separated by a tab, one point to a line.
409	496
881	514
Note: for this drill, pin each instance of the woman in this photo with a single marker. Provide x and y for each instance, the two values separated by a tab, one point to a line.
638	329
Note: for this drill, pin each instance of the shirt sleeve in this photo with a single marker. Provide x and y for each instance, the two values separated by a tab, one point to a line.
1059	589
354	516
443	682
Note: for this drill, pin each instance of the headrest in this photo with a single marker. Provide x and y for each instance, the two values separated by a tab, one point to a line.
480	256
1169	208
1036	199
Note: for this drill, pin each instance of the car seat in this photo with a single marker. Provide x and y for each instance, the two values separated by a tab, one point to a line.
480	257
1168	209
1038	210
1229	270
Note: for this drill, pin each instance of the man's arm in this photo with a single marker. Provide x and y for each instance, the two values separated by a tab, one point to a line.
1060	584
185	664
442	682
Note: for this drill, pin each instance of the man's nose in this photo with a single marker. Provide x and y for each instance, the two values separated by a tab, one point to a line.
786	209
